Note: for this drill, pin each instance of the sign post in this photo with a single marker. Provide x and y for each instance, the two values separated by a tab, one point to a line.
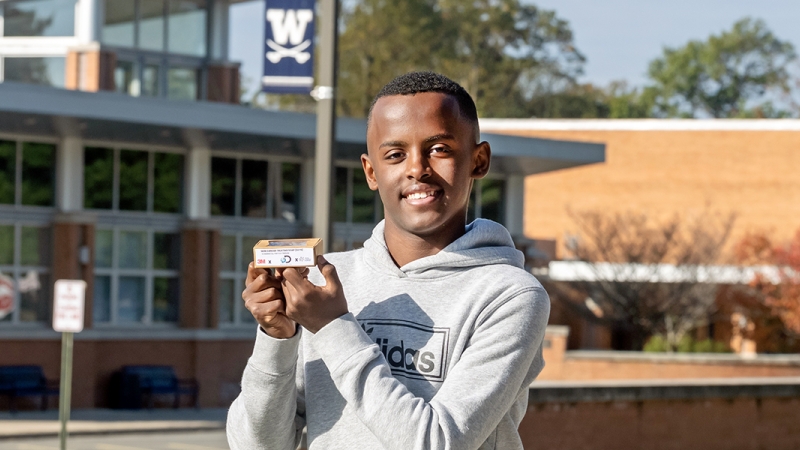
68	319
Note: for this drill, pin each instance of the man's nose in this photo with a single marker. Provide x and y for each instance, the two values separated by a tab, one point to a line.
417	165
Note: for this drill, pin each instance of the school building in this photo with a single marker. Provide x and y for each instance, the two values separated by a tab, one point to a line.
662	168
126	161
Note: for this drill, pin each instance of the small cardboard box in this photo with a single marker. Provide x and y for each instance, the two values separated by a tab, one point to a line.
286	252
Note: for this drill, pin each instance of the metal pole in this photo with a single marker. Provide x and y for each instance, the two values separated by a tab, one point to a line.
326	121
65	390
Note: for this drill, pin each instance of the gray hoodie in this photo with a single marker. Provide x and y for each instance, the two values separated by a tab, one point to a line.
437	354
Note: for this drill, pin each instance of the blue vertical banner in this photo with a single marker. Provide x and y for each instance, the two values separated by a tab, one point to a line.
289	47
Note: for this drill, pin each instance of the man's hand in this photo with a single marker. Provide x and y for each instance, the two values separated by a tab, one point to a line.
263	297
312	306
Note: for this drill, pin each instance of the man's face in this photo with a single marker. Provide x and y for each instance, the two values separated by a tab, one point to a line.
422	158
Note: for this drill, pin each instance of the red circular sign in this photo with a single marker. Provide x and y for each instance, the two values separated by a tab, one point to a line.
6	295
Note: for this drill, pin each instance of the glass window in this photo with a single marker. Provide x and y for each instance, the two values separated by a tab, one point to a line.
181	83
6	245
227	253
130	303
168	183
123	77
98	177
119	22
290	192
24	265
226	301
254	188
38	174
151	25
103	245
150	80
340	195
166	251
8	171
165	299
492	195
133	250
47	71
133	180
101	299
39	17
187	27
223	186
363	199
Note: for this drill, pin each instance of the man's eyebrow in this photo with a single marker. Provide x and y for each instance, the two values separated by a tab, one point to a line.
393	144
440	137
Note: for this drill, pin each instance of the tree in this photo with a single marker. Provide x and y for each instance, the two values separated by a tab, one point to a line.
779	284
648	277
586	101
726	76
503	52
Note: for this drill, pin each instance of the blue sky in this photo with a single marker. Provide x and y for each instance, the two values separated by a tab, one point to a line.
618	37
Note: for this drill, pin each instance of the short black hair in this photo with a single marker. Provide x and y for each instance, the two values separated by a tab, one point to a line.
418	82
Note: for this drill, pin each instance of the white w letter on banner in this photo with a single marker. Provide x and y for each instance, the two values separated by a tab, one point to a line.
289	25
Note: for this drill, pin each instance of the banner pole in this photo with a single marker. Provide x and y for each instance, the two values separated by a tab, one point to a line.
65	389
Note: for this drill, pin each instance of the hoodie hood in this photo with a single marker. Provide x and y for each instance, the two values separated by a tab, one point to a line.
484	243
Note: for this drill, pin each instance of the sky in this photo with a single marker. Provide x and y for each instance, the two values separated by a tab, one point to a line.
618	37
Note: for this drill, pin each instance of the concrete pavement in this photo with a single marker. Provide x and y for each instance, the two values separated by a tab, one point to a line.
26	424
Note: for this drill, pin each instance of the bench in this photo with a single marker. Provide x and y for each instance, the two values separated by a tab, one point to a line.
134	386
26	381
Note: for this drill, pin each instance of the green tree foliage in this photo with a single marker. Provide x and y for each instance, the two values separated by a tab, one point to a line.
586	101
725	76
502	51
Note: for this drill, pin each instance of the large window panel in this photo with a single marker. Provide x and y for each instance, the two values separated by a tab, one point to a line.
150	80
166	251
133	180
124	77
182	83
254	188
133	250
25	258
165	299
290	192
6	245
101	299
340	195
48	71
223	186
130	303
168	183
226	301
492	195
34	297
98	177
38	17
8	171
151	25
119	22
228	253
36	248
363	199
187	27
38	174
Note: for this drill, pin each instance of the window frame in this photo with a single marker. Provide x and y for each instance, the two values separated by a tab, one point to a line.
115	272
18	270
116	148
19	139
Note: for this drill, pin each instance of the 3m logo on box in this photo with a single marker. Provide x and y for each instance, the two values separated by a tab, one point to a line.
286	252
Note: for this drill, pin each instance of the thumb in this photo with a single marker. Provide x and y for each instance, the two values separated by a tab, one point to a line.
328	271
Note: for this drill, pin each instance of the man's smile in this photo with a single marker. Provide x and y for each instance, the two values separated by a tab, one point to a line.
421	195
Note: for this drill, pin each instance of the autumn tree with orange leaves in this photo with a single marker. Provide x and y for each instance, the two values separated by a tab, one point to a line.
779	283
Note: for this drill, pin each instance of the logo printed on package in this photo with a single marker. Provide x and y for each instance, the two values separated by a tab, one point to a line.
412	350
288	46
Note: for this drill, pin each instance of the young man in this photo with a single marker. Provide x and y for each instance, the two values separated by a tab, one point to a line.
429	336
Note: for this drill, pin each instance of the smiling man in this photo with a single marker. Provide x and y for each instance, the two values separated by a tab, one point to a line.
429	336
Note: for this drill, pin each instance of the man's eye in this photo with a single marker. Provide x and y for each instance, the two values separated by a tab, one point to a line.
440	150
393	155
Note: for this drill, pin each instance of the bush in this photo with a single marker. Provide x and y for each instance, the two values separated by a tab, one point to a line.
658	344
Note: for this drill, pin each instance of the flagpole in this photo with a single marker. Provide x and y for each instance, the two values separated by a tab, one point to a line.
326	121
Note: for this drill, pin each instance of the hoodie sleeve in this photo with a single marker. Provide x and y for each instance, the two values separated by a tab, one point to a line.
270	410
502	358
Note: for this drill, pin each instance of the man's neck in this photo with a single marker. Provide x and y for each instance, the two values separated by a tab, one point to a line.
405	247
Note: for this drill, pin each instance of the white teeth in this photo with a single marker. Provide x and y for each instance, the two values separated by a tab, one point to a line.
420	195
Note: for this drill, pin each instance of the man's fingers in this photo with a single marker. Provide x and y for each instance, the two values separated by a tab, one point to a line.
265	296
328	271
253	272
294	276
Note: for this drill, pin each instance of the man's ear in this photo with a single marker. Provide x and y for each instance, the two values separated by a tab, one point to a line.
369	171
481	159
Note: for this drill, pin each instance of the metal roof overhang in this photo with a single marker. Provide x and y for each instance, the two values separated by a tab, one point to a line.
105	116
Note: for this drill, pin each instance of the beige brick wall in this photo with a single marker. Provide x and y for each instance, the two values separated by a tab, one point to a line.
751	173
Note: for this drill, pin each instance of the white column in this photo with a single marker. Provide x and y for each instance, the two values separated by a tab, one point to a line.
218	30
88	20
198	183
515	204
69	174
